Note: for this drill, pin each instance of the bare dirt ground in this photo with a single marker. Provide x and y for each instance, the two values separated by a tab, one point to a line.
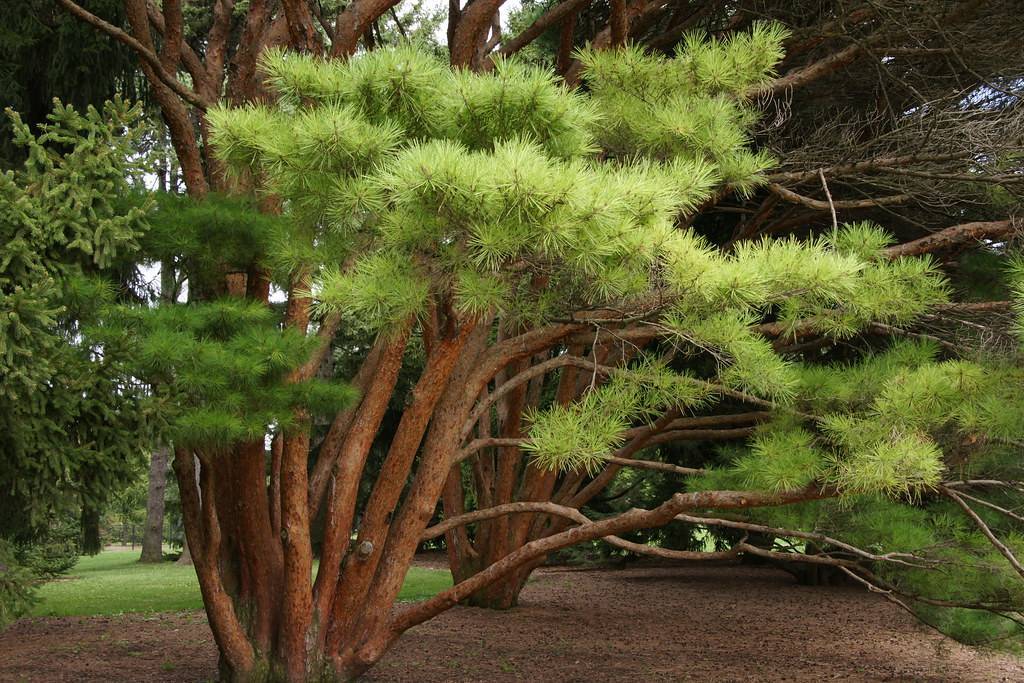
642	624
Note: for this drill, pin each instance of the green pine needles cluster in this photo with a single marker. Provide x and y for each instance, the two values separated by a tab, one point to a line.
510	196
220	370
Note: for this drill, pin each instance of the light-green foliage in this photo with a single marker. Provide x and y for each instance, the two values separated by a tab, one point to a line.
582	434
474	188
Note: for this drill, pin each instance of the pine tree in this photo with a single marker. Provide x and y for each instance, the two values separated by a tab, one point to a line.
528	237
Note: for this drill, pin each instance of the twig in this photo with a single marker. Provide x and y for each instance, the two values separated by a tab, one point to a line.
984	528
831	204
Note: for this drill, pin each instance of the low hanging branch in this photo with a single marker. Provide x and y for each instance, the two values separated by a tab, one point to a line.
1003	549
899	558
628	521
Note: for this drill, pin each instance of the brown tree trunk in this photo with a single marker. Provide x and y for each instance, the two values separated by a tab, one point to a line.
91	542
153	533
186	555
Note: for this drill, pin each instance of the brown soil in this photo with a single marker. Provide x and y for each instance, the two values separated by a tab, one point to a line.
643	624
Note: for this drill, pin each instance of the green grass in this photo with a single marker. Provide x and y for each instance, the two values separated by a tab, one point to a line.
114	582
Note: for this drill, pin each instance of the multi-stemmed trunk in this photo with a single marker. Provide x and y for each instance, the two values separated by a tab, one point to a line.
250	540
500	475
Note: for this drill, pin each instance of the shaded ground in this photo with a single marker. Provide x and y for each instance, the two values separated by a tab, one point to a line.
645	624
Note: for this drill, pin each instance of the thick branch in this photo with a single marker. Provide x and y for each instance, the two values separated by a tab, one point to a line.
545	21
150	57
954	236
820	205
628	521
812	72
353	21
471	31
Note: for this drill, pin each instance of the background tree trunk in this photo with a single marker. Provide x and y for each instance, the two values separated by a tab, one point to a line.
186	554
153	534
91	543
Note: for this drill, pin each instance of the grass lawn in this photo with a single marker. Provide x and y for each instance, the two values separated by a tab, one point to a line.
114	582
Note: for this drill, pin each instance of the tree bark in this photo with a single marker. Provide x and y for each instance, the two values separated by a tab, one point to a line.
186	555
153	533
92	544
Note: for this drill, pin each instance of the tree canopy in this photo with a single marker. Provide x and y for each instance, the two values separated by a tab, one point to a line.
620	240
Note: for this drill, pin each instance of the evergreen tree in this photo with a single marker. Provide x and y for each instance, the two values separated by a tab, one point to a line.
44	53
73	425
520	232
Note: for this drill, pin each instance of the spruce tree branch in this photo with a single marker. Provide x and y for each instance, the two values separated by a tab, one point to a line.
1003	549
150	57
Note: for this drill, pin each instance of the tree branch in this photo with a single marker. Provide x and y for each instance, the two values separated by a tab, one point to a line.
899	558
542	24
653	465
628	521
953	236
150	57
820	205
984	528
